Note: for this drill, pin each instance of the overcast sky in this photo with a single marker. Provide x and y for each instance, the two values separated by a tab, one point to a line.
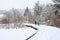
20	4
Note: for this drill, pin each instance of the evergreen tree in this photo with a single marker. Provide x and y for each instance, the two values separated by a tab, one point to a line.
27	14
37	10
57	6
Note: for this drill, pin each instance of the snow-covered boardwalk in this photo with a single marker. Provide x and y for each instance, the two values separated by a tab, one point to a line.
44	33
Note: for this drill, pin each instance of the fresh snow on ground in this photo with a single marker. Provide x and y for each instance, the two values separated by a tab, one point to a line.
44	33
16	34
47	33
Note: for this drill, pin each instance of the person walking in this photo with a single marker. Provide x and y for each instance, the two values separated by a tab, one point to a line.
38	22
35	22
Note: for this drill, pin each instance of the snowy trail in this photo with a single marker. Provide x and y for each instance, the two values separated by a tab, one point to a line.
47	33
44	33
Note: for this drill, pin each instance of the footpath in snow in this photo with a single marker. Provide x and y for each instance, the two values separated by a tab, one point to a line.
47	33
44	33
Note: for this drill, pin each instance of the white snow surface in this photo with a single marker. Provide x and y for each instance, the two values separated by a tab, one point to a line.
44	33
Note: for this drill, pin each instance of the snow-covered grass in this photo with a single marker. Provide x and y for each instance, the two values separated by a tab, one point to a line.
11	26
44	33
16	34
